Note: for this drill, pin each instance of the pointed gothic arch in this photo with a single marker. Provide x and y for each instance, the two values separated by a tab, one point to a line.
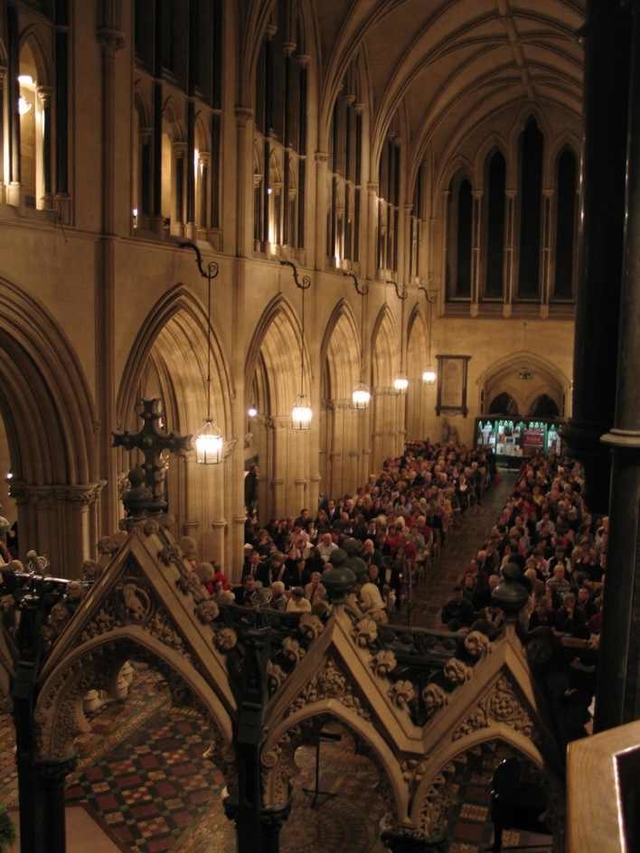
524	376
49	415
340	440
278	363
169	359
417	349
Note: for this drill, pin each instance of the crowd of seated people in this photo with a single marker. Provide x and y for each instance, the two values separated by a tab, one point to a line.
401	519
546	530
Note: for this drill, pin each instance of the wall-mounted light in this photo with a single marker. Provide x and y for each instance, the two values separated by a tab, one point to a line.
26	80
401	382
24	106
429	376
252	412
301	413
211	446
9	476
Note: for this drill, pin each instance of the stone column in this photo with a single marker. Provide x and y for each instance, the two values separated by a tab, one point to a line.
244	198
547	254
203	216
13	93
111	40
476	253
3	124
179	154
51	774
219	525
63	201
618	697
606	85
373	237
321	208
44	96
509	253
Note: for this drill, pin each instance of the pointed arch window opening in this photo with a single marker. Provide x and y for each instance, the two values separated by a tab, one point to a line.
460	239
496	227
564	285
531	152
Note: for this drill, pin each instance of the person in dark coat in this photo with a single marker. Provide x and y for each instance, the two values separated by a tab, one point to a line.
458	612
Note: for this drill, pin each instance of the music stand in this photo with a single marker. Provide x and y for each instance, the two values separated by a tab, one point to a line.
327	736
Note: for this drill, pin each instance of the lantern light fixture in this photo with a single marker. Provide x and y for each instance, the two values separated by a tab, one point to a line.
301	412
429	376
210	444
401	382
361	394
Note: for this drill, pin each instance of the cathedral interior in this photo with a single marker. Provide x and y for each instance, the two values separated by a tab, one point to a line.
319	426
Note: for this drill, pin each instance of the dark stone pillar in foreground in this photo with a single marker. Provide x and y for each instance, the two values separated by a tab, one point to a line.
618	698
606	84
52	774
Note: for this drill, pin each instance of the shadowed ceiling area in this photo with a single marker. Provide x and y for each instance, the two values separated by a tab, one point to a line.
448	65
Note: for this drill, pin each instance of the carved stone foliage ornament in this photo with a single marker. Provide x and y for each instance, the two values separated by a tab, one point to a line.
501	705
330	683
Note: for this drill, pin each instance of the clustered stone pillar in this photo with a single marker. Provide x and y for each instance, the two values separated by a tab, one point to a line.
606	85
618	697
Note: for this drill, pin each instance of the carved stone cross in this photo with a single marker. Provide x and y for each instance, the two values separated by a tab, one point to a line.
154	443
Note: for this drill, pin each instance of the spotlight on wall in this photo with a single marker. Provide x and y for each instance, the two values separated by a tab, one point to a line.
25	79
23	106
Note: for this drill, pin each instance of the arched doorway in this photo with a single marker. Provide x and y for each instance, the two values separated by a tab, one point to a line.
169	360
273	380
341	430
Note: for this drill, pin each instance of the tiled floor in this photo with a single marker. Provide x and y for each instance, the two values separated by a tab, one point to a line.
143	780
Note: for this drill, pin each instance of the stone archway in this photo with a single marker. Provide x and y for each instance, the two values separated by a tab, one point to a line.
386	434
275	358
524	377
169	360
341	431
359	769
48	415
417	348
452	798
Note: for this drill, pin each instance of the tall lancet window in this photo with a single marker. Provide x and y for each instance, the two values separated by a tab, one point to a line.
566	184
496	180
389	205
531	151
459	229
345	174
280	143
